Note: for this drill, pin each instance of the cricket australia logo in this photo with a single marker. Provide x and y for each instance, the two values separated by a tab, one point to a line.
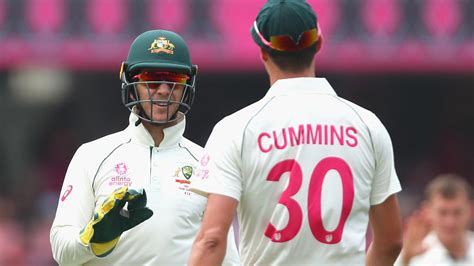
187	171
183	183
161	45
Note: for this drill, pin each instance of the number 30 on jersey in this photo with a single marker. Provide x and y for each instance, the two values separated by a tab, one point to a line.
315	218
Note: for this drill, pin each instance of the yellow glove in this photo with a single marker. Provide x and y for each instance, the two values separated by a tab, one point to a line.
109	222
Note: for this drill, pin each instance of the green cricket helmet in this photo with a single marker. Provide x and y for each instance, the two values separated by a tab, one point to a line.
164	55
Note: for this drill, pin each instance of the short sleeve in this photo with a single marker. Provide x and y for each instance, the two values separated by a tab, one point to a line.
219	171
385	181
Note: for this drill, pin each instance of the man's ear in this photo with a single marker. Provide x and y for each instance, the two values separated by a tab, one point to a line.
263	55
319	44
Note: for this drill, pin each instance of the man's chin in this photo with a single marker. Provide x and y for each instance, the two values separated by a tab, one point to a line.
162	117
449	238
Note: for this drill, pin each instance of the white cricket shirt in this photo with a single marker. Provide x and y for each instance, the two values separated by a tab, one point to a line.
306	167
129	158
437	254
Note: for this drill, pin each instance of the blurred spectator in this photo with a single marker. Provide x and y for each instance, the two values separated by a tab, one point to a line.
55	158
38	246
11	235
438	234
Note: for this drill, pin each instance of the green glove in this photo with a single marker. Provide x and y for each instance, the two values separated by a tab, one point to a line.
103	231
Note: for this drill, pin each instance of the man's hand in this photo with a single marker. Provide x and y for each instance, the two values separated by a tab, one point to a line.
418	227
111	220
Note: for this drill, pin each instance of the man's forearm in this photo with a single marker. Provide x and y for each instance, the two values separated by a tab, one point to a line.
207	251
378	256
211	241
66	247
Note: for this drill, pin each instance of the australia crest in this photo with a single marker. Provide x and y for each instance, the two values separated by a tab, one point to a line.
161	45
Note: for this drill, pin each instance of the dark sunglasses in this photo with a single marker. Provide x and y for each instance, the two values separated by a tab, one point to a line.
285	43
161	76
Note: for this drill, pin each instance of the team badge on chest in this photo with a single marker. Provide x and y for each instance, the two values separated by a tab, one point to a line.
182	177
187	171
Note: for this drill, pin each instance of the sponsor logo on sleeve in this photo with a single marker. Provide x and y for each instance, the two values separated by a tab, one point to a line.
66	193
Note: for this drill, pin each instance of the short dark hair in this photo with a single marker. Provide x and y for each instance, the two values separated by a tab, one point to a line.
293	62
448	186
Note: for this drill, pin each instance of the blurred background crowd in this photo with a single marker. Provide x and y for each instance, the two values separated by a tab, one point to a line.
411	62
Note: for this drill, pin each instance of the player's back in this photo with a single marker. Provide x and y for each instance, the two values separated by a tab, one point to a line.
308	167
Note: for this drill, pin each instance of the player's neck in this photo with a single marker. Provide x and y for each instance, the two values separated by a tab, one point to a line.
156	132
277	74
457	249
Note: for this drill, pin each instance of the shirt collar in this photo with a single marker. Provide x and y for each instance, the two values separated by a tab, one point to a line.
300	86
172	134
435	245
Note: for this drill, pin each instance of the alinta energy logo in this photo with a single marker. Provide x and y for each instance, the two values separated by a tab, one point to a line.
121	178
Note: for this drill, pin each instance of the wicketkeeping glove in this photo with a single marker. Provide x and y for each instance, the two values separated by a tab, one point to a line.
103	232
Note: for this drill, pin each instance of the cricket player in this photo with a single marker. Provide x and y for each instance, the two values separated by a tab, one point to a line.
125	198
305	169
438	233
